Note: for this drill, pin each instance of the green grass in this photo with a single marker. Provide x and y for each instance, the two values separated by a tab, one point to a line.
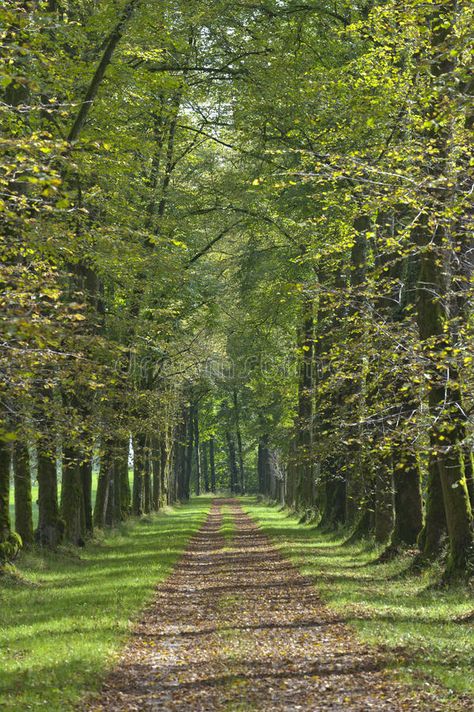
386	604
64	617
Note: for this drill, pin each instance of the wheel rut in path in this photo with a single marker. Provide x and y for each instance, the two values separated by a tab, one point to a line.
237	627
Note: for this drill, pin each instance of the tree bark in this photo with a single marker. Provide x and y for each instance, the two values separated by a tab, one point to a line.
50	526
72	497
304	489
212	463
139	465
86	479
23	503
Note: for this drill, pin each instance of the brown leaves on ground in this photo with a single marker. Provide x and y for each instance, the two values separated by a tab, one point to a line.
237	627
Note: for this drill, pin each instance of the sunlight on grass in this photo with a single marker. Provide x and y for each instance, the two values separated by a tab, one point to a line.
386	604
64	616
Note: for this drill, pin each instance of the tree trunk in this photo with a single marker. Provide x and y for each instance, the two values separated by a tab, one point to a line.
103	487
139	466
407	501
383	499
212	464
86	479
50	526
233	473
23	504
197	454
157	475
189	452
205	466
147	489
435	329
304	491
239	442
72	497
434	531
7	549
168	495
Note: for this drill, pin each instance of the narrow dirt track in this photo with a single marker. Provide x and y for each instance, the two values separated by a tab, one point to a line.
236	627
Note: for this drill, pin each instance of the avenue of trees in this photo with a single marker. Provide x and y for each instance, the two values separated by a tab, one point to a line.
237	251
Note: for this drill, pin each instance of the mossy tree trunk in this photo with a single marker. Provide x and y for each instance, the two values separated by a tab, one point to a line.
5	523
435	329
72	497
50	525
23	503
408	505
430	540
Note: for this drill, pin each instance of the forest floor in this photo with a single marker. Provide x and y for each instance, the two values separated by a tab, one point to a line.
237	627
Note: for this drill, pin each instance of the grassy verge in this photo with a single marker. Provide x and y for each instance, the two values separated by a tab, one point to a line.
64	617
385	603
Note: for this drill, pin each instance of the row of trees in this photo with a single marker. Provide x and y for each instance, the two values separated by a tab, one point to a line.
239	235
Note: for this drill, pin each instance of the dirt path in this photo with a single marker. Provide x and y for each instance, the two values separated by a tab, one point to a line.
236	627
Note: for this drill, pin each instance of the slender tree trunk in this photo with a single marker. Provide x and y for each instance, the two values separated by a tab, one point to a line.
197	452
305	487
383	498
23	504
110	45
212	463
5	523
233	473
86	480
157	475
205	466
103	487
238	435
180	459
139	466
168	495
147	488
189	452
